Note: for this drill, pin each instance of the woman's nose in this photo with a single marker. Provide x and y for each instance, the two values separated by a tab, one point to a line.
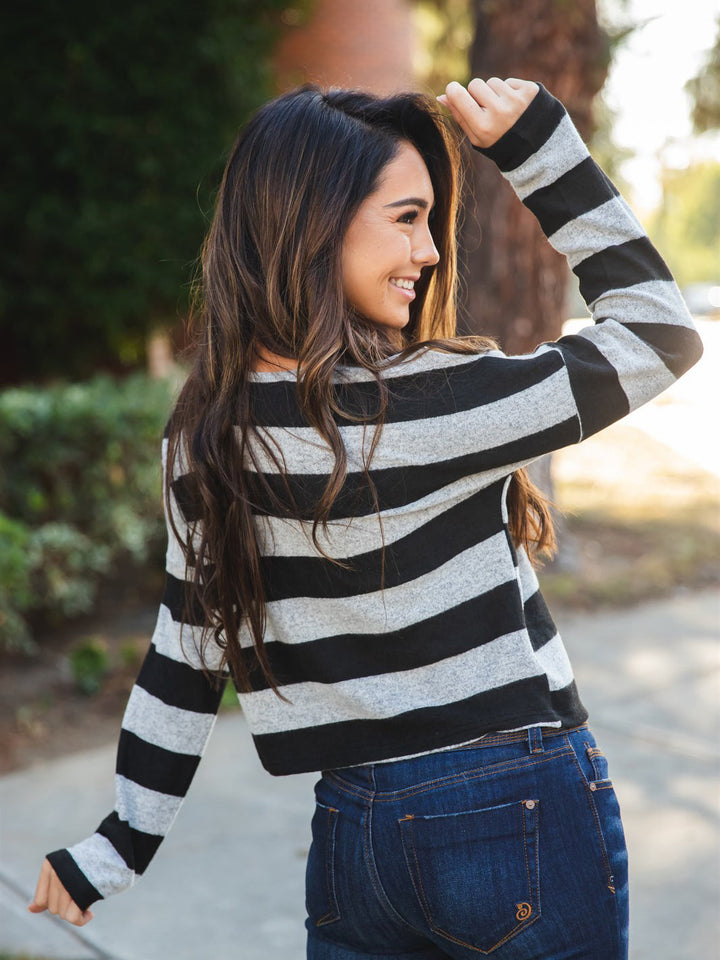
425	251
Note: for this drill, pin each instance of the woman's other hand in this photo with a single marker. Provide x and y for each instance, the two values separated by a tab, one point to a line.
51	895
486	111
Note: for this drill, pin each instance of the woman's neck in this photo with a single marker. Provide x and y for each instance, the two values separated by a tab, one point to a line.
270	362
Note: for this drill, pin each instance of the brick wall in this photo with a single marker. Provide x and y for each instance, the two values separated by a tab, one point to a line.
350	43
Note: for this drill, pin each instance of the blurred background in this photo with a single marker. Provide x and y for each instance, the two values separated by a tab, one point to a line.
115	135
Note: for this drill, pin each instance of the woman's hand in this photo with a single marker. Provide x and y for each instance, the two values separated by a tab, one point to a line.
51	895
486	111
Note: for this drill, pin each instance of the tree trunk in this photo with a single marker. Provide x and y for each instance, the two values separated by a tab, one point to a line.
515	283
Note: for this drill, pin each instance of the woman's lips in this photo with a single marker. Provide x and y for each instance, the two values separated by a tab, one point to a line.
408	293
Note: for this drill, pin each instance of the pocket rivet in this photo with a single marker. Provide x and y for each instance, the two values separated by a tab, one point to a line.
593	786
530	804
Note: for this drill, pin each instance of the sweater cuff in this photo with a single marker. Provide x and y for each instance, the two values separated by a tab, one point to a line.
73	879
529	132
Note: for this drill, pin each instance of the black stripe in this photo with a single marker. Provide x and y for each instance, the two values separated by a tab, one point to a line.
421	395
465	525
349	656
539	623
529	132
187	497
678	347
73	879
581	189
567	706
619	266
154	767
366	741
135	847
178	684
175	598
399	486
595	384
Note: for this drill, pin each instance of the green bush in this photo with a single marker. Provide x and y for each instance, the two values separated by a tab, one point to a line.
87	455
118	129
14	584
79	489
89	662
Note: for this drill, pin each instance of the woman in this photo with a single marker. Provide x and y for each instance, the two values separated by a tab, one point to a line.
377	607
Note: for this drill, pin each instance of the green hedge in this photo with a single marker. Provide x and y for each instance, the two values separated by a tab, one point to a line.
116	135
80	491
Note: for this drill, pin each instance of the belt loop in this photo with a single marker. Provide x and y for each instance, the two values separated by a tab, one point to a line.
535	740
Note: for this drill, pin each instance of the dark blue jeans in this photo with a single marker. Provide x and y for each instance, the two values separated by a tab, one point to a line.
511	846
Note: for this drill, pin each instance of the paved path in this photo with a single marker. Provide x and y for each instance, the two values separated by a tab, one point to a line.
228	881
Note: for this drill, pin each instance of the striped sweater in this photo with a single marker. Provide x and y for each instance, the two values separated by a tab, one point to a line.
459	642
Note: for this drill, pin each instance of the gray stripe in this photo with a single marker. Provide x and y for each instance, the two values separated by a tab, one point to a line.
563	151
527	578
172	728
607	225
553	660
352	536
468	574
430	359
641	372
102	865
167	639
417	442
494	664
655	301
147	810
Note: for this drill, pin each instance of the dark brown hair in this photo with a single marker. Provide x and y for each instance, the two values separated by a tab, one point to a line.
271	277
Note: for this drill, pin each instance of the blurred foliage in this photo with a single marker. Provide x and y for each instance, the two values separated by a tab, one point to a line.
89	662
705	90
80	493
604	149
686	225
444	31
114	140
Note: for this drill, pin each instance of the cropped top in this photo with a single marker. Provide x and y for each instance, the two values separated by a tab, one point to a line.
457	641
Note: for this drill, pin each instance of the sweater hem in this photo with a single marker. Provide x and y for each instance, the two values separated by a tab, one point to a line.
458	737
82	892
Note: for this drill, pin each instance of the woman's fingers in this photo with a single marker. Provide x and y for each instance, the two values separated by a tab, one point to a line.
51	895
466	109
483	91
40	899
487	110
496	85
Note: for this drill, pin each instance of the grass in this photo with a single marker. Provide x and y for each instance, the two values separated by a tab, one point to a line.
640	522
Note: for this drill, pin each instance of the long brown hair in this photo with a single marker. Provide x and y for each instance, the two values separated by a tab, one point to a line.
271	278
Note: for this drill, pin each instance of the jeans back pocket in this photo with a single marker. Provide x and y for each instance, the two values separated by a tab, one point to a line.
475	873
321	900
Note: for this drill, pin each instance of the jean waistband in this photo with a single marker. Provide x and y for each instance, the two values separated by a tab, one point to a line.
533	735
393	775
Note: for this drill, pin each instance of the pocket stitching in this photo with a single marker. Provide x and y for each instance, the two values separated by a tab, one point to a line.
406	824
588	790
333	913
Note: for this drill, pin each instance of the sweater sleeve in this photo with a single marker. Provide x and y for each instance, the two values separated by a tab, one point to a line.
643	337
167	722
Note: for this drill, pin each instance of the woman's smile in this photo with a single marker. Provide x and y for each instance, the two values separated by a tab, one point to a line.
403	286
388	242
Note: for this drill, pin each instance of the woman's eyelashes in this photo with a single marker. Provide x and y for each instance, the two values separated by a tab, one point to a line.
409	217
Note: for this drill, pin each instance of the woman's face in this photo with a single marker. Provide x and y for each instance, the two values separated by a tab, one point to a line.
388	241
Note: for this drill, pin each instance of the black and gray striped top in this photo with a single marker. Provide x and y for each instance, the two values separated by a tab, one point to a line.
459	642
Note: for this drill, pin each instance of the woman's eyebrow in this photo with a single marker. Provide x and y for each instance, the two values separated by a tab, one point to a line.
415	201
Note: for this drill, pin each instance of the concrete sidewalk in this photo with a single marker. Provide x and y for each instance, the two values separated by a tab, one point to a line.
228	881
